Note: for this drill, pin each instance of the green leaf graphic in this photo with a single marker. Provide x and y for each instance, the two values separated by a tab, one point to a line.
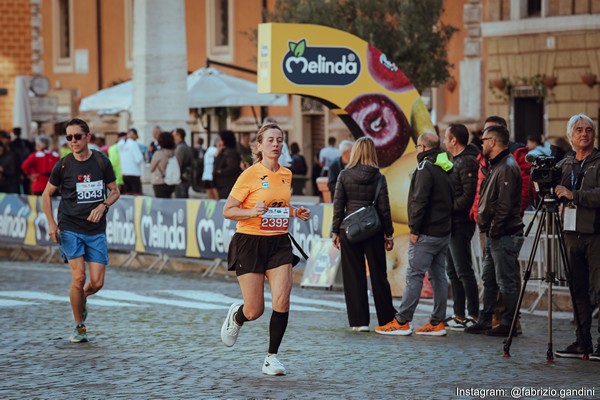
293	46
148	205
300	47
210	208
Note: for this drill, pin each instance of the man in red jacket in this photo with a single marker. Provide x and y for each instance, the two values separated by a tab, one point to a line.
39	164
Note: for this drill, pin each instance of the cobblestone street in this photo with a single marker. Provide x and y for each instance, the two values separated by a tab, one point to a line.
158	337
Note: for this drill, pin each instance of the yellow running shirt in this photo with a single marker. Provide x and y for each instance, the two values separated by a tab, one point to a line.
257	184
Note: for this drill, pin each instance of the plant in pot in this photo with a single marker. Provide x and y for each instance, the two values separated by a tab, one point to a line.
500	87
589	79
549	81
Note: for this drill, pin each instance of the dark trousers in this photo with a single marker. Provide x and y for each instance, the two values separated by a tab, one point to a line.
182	191
583	253
163	191
132	184
459	266
354	274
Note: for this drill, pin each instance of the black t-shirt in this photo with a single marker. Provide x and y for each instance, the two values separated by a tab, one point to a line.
83	188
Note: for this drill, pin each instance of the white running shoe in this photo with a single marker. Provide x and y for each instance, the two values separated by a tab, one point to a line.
272	366
230	328
363	328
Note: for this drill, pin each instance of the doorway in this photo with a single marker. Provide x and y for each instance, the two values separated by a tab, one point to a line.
528	118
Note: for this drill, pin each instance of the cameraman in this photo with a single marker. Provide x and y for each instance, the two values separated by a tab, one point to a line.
580	185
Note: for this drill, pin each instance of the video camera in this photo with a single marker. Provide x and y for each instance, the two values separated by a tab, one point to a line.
544	173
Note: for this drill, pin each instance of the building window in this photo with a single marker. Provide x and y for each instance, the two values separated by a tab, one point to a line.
221	23
219	27
64	41
128	17
62	35
534	8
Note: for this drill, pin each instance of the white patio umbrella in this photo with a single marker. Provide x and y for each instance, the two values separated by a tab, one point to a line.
111	100
209	87
22	107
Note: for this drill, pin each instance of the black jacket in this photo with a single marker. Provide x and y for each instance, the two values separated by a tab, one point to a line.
227	168
184	155
431	195
500	202
334	172
464	178
355	189
587	197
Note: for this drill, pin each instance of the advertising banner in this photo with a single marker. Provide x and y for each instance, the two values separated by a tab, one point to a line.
369	93
40	222
178	227
323	267
120	225
161	225
15	224
213	232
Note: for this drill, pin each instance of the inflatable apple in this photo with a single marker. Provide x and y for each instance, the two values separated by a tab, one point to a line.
420	119
385	72
382	120
398	176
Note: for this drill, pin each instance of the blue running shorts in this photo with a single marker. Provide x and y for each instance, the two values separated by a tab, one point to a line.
93	248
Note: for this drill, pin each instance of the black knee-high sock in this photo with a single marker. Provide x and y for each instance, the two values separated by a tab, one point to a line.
277	326
240	318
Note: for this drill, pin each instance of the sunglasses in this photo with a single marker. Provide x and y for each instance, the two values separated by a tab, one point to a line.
77	136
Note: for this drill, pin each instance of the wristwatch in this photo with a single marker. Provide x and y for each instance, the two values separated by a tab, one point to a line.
106	205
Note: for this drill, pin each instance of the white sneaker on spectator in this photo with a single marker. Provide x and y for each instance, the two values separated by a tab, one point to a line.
230	328
272	366
363	328
455	323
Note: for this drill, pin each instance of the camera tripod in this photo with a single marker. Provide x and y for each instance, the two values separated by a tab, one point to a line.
551	224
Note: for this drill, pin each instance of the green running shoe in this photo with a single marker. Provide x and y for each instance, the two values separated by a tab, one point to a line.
79	334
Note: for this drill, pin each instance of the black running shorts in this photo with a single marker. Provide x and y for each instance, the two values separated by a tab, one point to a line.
254	253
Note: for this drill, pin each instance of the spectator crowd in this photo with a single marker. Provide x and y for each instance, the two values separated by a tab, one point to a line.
462	182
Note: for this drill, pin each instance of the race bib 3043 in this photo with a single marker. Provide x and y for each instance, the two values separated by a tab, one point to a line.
90	192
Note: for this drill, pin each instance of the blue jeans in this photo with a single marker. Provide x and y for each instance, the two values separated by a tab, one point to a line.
500	275
427	255
459	266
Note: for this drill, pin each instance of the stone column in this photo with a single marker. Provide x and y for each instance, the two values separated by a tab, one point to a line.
471	74
159	67
37	65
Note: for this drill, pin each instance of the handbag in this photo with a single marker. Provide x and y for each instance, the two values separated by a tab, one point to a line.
364	222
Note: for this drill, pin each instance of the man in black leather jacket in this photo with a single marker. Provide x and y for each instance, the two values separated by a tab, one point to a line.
500	218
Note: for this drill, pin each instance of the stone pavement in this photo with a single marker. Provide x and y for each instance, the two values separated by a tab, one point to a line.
158	337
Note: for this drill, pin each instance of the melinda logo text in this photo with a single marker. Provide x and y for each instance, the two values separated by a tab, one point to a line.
320	66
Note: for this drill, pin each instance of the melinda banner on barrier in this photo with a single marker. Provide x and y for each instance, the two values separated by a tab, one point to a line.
187	228
120	225
16	224
177	227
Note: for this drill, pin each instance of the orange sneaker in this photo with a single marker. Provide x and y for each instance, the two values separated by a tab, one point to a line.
394	328
432	330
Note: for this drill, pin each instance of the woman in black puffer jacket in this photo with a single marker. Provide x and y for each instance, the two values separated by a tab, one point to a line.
355	188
